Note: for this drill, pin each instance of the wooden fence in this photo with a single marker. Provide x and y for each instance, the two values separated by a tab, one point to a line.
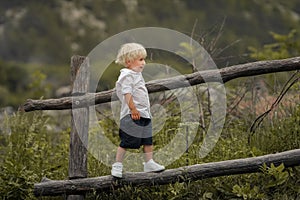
78	183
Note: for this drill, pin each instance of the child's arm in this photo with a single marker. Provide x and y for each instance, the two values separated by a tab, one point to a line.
135	114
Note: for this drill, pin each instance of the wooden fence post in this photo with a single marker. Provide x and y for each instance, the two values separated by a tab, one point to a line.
80	76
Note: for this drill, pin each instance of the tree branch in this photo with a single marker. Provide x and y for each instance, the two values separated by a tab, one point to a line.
285	89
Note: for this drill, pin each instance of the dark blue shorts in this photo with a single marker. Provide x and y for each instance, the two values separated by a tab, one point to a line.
135	133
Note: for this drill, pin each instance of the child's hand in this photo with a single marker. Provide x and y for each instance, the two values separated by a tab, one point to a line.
135	114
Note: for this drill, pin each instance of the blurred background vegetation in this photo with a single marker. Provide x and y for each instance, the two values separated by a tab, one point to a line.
38	38
41	35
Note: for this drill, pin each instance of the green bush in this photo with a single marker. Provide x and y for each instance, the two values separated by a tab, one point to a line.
29	151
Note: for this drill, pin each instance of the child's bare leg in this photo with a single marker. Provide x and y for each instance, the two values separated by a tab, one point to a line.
120	154
148	150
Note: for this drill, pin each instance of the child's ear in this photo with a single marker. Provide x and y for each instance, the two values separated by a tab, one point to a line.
127	61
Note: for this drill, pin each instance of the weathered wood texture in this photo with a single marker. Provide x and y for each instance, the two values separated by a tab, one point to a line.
227	74
189	173
79	123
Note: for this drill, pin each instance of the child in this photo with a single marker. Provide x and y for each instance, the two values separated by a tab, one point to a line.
135	117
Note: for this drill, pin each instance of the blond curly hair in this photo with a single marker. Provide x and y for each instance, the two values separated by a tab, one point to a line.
130	51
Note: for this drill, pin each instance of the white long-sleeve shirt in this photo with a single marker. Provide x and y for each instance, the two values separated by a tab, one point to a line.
133	82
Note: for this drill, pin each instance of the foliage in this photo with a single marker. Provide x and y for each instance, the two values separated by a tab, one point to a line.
247	192
38	87
43	32
34	145
13	80
19	81
286	131
284	46
29	151
277	175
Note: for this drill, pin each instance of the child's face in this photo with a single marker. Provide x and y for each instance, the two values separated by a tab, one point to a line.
137	64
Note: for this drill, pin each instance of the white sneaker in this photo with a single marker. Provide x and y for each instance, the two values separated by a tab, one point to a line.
117	169
152	166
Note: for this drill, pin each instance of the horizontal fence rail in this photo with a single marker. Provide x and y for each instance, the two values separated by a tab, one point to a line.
227	74
183	174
